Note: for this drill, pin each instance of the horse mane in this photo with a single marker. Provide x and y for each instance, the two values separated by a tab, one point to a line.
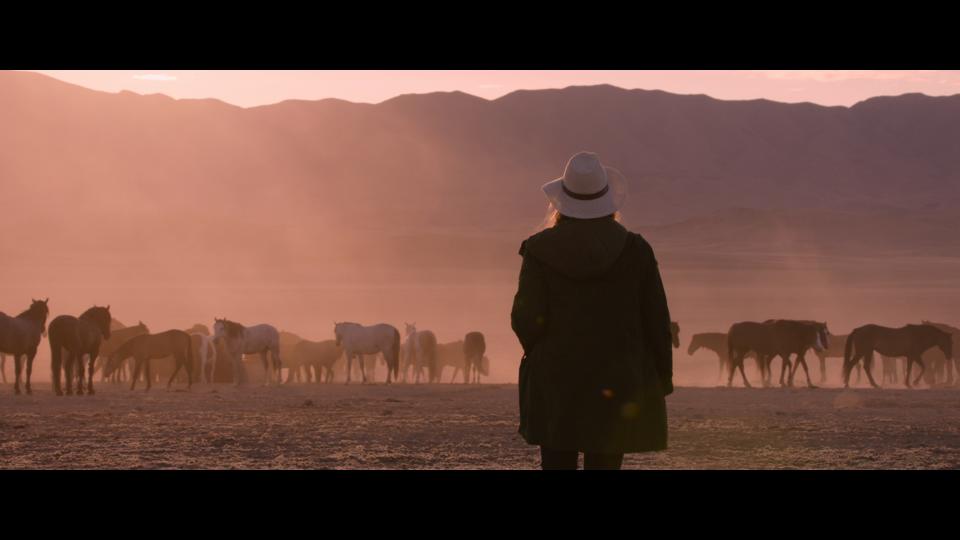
199	328
944	327
233	328
34	308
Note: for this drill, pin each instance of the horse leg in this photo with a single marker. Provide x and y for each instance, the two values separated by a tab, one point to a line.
802	361
868	367
267	372
361	359
94	354
3	367
784	366
17	369
923	369
30	356
78	359
68	372
743	374
146	370
733	368
906	379
179	362
349	366
823	368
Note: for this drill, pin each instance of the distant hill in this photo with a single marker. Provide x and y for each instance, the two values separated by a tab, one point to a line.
299	180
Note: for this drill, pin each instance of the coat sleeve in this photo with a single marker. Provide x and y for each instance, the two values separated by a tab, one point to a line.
656	320
529	315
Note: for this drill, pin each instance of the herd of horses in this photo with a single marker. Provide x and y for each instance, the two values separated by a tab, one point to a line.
928	345
79	346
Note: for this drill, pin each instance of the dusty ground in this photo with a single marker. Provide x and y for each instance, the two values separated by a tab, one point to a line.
444	426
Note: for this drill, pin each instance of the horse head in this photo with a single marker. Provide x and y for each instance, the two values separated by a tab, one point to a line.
823	337
100	317
410	328
694	345
41	311
675	334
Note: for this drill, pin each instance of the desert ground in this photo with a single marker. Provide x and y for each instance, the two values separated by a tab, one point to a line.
376	426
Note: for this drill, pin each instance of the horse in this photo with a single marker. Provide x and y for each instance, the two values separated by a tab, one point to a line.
797	337
240	340
747	336
420	349
834	350
910	341
20	336
357	340
321	356
118	336
716	342
206	347
146	347
940	364
675	334
474	347
450	355
77	336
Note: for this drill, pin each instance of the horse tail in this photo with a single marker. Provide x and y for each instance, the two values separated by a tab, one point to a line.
395	354
848	354
189	365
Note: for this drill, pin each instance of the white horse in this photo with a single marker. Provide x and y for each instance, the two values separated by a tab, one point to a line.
358	340
208	355
420	350
241	340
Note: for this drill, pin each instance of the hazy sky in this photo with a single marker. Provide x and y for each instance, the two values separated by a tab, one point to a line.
251	88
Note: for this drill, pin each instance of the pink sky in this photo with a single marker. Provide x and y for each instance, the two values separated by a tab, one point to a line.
252	88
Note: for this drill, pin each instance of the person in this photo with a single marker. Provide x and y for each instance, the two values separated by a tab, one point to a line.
591	316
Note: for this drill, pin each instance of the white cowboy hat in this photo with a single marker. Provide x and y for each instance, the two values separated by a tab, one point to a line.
587	188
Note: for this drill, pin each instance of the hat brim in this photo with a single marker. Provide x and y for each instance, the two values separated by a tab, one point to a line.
611	201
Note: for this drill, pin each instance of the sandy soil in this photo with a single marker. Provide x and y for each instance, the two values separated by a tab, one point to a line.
452	427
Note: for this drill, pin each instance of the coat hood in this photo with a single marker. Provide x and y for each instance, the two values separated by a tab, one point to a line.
579	248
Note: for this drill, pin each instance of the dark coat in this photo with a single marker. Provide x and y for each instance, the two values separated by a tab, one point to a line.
591	315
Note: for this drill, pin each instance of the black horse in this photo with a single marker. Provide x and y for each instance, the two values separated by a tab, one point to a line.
20	336
77	336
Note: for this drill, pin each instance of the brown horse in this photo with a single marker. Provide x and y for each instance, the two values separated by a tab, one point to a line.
117	338
20	336
747	336
716	342
146	347
675	334
797	337
942	368
910	341
474	347
321	356
77	336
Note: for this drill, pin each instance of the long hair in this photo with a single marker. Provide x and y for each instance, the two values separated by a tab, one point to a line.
554	217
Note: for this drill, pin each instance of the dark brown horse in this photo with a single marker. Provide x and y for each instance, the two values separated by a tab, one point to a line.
675	334
910	341
474	347
74	337
146	347
797	337
747	336
20	336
